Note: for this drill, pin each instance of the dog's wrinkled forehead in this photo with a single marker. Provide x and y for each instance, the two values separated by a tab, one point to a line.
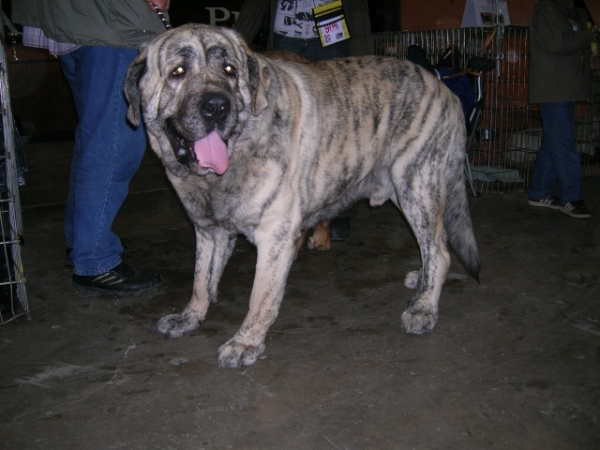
194	44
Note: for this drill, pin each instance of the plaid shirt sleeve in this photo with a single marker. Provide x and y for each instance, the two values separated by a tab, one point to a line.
35	37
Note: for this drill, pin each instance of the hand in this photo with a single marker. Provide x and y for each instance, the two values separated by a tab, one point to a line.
163	5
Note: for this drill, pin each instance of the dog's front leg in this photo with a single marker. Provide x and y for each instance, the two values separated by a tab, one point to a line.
275	257
213	249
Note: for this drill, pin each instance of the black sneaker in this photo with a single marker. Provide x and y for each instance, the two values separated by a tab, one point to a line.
550	202
120	280
576	210
126	243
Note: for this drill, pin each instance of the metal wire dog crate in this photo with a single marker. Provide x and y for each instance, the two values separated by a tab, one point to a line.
13	296
505	145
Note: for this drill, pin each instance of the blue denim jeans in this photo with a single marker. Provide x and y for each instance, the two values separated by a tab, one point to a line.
107	154
311	49
558	162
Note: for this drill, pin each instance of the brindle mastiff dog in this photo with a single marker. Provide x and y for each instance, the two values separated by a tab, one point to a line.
267	148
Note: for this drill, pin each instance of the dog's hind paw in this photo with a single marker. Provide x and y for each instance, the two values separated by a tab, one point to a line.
232	354
314	244
176	325
411	281
418	322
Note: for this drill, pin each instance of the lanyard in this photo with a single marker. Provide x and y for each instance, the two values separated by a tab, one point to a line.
162	17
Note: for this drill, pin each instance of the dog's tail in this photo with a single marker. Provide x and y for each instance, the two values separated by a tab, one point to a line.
459	228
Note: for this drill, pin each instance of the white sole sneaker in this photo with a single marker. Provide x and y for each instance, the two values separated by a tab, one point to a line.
550	202
576	210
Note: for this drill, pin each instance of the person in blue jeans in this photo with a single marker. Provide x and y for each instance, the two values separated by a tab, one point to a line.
558	162
292	27
559	77
96	42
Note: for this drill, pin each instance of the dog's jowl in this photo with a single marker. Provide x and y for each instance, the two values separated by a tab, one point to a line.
266	148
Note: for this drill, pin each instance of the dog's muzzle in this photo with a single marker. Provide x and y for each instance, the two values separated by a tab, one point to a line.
215	109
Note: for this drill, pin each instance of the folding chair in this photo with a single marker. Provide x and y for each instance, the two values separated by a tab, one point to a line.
476	67
466	84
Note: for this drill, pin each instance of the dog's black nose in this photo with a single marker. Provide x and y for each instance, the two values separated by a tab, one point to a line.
215	108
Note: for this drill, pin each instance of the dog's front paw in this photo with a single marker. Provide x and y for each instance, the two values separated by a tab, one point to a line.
176	325
232	354
418	322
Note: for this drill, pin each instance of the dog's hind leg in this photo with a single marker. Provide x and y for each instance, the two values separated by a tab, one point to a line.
423	210
213	248
275	254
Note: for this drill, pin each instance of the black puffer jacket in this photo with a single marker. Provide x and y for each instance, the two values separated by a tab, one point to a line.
560	53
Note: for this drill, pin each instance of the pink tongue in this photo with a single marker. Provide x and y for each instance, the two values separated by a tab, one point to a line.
211	152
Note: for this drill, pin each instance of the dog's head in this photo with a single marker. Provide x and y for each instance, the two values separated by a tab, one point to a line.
195	85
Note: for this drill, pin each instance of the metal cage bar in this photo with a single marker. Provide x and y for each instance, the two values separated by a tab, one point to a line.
13	295
504	146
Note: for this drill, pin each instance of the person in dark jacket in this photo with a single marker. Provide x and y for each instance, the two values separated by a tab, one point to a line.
285	15
292	27
96	40
559	77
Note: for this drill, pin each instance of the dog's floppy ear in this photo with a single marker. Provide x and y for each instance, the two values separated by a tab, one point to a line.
259	82
132	89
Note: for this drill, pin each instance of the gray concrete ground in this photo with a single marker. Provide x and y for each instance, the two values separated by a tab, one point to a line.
513	364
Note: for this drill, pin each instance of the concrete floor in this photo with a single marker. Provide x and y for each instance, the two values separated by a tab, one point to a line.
513	364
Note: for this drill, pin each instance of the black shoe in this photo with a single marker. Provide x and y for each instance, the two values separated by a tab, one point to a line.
126	243
120	280
339	228
548	202
576	210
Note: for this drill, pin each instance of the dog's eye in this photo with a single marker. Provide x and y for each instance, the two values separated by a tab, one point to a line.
230	70
179	71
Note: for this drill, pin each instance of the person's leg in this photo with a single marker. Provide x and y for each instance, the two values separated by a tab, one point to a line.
567	161
544	178
107	154
560	118
281	42
559	162
68	64
310	49
315	52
